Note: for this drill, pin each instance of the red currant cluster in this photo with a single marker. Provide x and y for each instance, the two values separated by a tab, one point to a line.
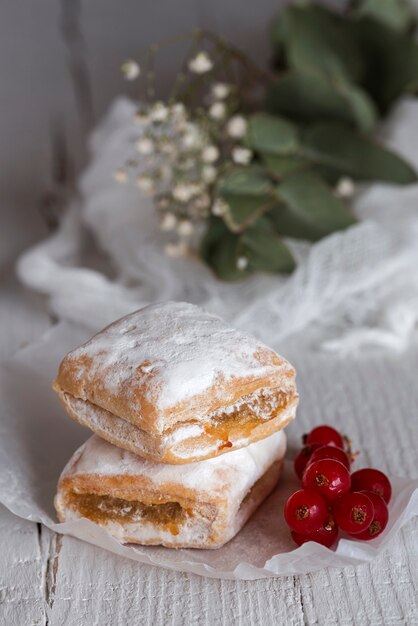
331	497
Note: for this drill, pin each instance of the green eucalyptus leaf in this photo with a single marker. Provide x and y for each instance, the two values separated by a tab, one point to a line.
242	210
317	42
261	248
280	166
220	249
307	98
215	231
250	180
397	14
362	107
392	61
330	175
340	148
271	134
265	251
247	193
225	258
312	204
287	223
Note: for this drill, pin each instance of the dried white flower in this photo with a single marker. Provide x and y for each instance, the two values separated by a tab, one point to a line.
201	63
145	145
209	173
178	111
237	127
210	154
183	192
145	183
185	228
189	140
220	91
242	156
176	249
217	110
169	222
168	148
159	112
191	136
130	69
242	263
120	175
219	207
345	187
202	202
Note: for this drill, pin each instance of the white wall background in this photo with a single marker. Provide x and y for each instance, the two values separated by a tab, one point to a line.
59	69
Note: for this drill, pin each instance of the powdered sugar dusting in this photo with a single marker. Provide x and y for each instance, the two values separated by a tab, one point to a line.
234	472
181	348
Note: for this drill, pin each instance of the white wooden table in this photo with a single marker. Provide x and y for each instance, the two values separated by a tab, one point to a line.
47	579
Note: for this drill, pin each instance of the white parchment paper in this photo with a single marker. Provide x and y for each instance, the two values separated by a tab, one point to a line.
37	439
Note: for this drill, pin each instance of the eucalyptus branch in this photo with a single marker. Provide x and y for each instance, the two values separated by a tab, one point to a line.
211	156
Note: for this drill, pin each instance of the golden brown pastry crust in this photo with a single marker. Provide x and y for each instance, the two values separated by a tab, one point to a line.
215	500
198	447
142	379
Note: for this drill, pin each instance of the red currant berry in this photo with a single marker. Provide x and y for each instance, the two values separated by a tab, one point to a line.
328	477
369	479
305	511
326	436
302	459
326	535
330	452
380	517
354	512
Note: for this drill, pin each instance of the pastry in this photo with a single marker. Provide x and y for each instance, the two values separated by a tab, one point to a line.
175	384
198	505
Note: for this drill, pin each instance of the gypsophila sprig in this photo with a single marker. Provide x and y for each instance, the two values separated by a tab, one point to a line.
130	69
201	63
237	127
185	144
237	158
220	91
345	187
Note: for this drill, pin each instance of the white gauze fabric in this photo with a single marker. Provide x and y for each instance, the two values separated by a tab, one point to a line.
351	289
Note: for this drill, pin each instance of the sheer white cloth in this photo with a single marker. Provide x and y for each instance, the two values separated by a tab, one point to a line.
354	288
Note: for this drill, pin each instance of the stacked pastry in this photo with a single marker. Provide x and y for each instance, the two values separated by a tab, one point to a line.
188	415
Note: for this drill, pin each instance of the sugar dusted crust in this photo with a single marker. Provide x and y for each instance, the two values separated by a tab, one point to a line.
166	362
176	384
191	441
199	505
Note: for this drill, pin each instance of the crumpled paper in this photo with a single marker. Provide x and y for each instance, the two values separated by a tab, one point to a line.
37	439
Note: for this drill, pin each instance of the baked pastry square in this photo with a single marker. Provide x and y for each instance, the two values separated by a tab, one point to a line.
176	384
198	505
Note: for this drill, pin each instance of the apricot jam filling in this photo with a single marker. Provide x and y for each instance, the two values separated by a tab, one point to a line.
261	405
240	419
102	509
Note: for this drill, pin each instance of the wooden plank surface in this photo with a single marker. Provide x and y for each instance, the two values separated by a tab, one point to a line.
53	580
62	72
